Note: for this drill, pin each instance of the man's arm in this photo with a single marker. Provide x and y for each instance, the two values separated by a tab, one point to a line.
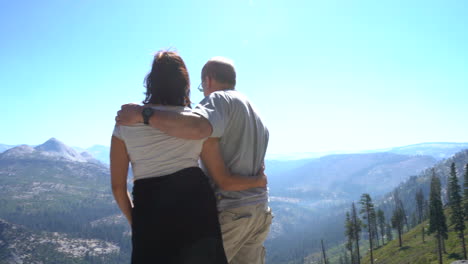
213	161
181	125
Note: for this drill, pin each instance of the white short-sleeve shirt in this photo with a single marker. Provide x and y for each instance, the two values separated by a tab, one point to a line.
153	153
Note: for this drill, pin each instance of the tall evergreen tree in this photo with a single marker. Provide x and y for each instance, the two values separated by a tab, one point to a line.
420	209
346	259
324	255
413	220
401	208
349	233
357	224
398	221
426	209
420	205
457	217
389	233
465	191
368	212
375	229
381	223
437	221
449	192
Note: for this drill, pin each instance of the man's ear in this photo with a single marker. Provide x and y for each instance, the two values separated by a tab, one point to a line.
208	82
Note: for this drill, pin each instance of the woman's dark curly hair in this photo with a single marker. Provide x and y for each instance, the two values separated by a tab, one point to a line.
168	82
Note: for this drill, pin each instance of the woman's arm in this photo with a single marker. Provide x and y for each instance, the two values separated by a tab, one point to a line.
213	161
119	169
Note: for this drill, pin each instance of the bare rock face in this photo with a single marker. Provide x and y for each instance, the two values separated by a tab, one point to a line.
54	147
25	246
19	151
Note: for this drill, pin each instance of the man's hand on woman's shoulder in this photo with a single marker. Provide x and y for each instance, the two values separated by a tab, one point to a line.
129	114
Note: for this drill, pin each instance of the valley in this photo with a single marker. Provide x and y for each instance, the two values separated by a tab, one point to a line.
58	199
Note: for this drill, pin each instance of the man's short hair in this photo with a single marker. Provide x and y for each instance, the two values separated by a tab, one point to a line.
221	69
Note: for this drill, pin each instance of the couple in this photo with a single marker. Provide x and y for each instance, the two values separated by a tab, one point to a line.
175	215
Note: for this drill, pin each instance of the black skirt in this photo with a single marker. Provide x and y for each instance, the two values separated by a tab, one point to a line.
175	220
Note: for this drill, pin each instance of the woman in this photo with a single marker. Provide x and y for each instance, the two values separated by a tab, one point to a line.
173	213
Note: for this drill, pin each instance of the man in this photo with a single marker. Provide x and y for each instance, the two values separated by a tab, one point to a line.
234	129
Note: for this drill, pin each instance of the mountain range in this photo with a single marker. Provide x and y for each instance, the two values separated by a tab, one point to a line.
409	187
438	150
51	149
310	197
415	251
344	175
53	190
57	203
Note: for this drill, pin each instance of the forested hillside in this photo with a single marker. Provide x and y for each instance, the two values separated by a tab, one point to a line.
415	251
53	201
56	203
412	205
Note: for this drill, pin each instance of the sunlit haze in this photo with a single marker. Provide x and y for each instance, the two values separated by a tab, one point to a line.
324	75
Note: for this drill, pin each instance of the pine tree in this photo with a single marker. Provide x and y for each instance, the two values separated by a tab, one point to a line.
346	259
449	192
420	209
465	191
399	205
357	223
398	220
389	233
457	218
423	234
420	205
426	210
324	255
437	222
413	220
381	221
375	229
349	233
367	209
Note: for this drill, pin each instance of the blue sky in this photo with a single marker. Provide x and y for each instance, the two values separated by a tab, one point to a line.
325	75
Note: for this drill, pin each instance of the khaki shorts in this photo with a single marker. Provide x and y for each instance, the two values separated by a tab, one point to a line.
244	230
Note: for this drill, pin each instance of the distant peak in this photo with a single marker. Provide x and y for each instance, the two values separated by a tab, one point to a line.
52	139
52	144
55	147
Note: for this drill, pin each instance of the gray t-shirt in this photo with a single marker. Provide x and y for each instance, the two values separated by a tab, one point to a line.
243	142
154	153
